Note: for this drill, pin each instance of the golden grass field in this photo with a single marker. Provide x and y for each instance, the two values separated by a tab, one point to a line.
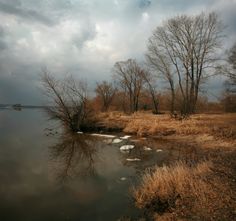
147	124
200	187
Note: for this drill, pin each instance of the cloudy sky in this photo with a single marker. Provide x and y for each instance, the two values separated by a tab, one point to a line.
84	38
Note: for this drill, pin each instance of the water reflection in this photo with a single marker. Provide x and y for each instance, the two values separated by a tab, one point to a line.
93	177
74	155
30	161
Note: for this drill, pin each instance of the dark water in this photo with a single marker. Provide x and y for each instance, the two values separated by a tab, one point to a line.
52	176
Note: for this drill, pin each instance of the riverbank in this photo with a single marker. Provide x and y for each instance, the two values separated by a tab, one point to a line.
147	124
203	184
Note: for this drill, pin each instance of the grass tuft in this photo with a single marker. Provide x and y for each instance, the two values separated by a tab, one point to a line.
179	191
168	183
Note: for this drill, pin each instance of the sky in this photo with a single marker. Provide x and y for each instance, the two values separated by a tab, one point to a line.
85	38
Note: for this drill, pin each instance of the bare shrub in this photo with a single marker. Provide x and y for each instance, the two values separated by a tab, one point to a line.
68	101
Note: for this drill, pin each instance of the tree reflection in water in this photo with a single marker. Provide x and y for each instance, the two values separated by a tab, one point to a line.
74	155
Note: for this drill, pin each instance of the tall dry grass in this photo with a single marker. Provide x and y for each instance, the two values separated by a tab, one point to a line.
222	126
113	119
168	183
179	191
218	125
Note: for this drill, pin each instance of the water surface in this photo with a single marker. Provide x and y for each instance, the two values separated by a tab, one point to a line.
48	175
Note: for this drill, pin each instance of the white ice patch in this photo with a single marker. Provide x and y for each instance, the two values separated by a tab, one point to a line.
125	137
79	132
123	178
126	147
132	159
117	140
147	148
159	150
103	135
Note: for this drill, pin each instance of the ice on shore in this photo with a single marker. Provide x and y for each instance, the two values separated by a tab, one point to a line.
132	159
159	150
147	148
126	147
103	135
117	140
125	137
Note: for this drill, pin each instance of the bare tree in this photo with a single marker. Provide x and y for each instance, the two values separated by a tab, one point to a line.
232	62
229	69
106	93
130	77
188	43
150	81
160	64
68	100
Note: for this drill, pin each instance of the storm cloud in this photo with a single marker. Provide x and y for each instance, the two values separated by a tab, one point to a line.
84	38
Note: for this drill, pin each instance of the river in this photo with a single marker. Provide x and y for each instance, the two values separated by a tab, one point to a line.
47	175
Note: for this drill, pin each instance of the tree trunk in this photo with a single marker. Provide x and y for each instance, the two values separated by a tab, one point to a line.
172	107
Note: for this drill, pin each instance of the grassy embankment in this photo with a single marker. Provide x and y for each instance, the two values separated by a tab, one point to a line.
146	124
200	188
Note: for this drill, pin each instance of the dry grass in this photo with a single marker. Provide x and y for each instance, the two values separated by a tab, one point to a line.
115	119
170	182
144	124
179	191
147	124
205	191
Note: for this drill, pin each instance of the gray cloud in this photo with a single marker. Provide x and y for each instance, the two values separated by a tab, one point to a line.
144	3
86	34
24	13
84	38
3	45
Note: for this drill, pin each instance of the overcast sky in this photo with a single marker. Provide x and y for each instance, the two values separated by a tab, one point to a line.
84	38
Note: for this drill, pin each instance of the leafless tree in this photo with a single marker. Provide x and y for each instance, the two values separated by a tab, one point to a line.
188	44
229	69
105	92
150	81
160	64
232	62
67	100
130	77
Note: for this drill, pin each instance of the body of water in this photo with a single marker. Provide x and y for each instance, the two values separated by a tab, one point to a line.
47	175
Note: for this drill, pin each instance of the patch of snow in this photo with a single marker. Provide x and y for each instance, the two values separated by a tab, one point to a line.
125	137
123	178
103	135
159	150
126	147
132	159
117	140
147	148
79	132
